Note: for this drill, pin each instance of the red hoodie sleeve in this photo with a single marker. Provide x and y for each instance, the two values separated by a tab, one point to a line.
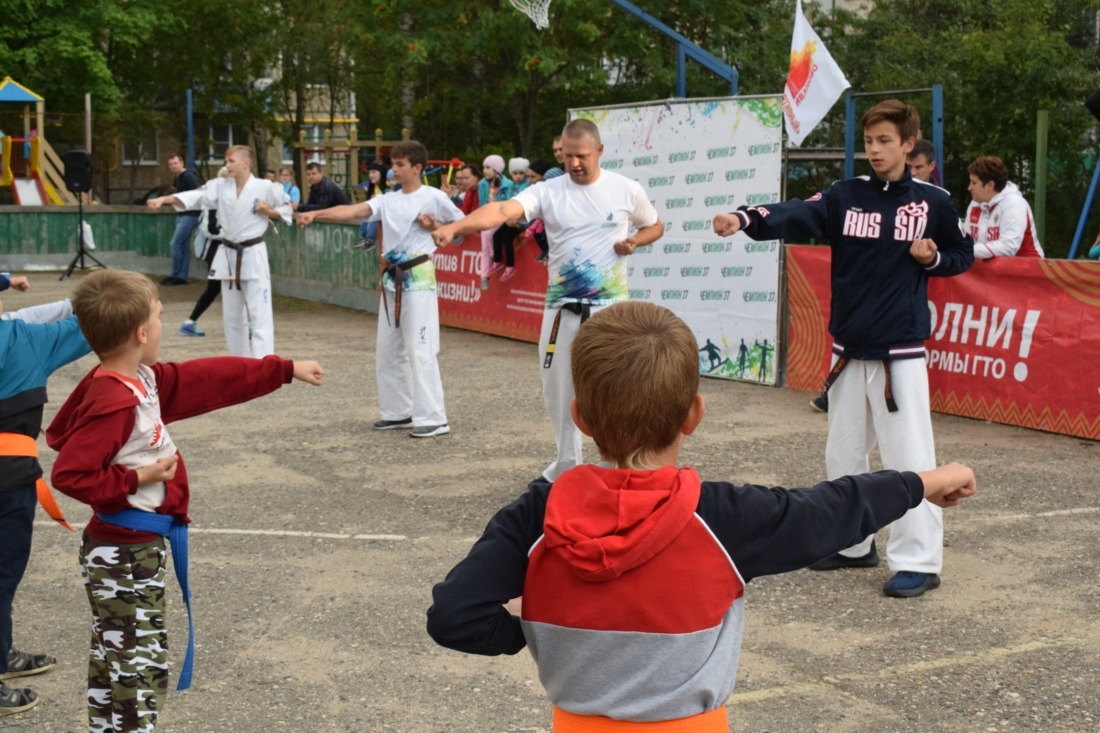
191	388
83	467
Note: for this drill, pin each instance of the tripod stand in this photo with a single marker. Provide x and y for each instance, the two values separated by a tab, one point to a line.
81	250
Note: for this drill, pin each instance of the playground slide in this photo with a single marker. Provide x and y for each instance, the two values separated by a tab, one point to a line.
27	192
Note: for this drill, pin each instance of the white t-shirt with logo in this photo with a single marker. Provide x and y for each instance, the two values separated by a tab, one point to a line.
404	238
583	223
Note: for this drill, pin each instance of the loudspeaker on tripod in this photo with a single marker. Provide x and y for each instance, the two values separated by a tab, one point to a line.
78	171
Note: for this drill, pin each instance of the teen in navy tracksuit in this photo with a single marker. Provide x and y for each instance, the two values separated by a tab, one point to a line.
889	233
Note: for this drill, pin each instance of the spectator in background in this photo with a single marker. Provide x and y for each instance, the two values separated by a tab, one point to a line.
464	190
559	156
504	238
492	168
922	162
185	180
375	185
999	218
323	193
269	175
286	177
538	172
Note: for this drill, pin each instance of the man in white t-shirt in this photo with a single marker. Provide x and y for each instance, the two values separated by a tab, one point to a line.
410	390
588	216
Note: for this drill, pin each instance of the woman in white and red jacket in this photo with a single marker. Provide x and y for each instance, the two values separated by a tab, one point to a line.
999	218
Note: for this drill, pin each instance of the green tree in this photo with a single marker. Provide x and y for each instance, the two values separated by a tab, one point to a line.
999	63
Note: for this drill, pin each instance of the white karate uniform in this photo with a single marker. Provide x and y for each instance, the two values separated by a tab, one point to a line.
857	414
406	357
240	223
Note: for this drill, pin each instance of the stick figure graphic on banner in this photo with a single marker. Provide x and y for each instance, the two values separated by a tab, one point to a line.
764	351
713	353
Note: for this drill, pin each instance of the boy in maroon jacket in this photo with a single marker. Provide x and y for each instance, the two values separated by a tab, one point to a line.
115	454
633	571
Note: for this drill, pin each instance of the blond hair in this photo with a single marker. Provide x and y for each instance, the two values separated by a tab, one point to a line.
110	305
635	376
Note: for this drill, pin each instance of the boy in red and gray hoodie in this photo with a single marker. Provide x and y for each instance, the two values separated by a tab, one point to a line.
632	572
115	454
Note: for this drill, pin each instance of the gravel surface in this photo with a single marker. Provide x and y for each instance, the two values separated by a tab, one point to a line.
316	543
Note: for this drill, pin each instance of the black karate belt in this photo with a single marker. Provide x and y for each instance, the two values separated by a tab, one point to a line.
891	404
240	247
584	310
397	272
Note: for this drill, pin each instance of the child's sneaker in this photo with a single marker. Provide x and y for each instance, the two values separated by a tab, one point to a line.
190	328
508	274
13	700
430	431
497	267
543	257
365	244
484	283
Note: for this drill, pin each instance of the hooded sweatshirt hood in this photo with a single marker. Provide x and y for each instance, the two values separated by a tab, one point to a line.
604	522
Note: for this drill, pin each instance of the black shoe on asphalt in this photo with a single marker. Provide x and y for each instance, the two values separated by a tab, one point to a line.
430	431
821	402
14	700
838	561
393	424
910	584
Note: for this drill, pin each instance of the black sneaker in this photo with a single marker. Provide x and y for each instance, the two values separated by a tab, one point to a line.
365	244
393	424
838	561
22	664
910	584
430	431
13	700
821	402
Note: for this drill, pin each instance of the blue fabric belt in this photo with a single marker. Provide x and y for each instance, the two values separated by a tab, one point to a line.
176	532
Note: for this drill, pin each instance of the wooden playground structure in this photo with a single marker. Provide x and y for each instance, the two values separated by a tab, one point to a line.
29	166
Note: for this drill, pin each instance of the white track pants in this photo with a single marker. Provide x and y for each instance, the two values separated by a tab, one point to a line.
251	303
557	389
406	359
857	417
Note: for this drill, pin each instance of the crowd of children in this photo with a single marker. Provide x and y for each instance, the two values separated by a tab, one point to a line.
584	537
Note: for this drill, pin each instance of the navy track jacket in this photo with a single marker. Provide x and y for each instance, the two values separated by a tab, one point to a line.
879	292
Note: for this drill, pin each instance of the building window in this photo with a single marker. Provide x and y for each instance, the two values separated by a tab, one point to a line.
221	139
141	151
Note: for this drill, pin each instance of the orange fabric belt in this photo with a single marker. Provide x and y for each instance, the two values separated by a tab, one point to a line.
713	722
15	444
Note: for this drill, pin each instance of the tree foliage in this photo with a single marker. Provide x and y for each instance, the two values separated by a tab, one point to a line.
469	77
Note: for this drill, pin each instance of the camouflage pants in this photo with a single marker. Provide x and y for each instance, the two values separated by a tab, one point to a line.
128	664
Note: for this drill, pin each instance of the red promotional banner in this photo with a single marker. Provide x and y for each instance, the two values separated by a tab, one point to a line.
1014	340
513	308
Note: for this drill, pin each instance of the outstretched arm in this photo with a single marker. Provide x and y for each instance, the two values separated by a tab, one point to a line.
349	212
488	216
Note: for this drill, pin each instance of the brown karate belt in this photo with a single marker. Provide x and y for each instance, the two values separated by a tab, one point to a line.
240	247
397	272
891	403
17	445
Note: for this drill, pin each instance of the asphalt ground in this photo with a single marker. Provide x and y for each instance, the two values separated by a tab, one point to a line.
316	542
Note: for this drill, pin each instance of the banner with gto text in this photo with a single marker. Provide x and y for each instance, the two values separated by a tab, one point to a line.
695	159
1014	340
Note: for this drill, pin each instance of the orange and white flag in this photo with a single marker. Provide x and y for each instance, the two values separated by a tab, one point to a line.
814	82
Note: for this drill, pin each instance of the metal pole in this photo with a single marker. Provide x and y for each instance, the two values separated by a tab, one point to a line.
937	130
681	72
88	122
190	132
1042	137
849	134
1085	208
